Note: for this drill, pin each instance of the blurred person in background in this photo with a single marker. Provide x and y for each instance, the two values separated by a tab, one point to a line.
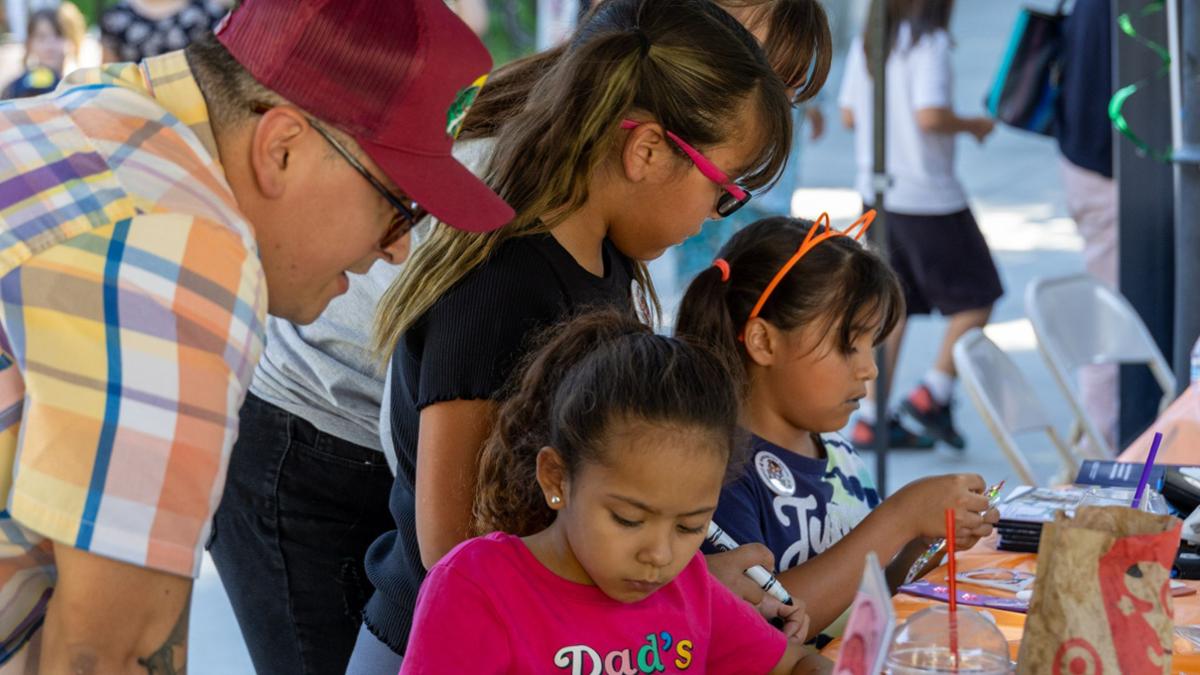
132	30
1084	135
45	49
934	243
74	29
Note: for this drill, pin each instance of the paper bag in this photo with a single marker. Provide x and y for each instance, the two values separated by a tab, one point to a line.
1102	600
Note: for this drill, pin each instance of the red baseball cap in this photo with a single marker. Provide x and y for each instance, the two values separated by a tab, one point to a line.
397	75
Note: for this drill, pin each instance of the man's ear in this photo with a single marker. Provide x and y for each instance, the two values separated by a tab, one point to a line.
272	143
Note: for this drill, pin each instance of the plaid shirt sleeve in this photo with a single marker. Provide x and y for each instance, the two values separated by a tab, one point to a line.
135	341
132	306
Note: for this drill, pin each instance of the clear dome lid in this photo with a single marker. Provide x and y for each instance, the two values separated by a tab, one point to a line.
922	644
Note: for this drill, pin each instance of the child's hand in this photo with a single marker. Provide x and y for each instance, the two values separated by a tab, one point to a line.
730	569
980	127
795	619
966	538
921	507
816	122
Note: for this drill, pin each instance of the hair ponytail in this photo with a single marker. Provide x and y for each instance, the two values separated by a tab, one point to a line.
508	498
839	284
707	319
600	367
687	63
506	92
799	48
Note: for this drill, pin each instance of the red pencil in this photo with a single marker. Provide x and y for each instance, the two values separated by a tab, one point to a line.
952	582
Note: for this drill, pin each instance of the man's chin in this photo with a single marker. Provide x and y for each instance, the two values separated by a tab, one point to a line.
303	314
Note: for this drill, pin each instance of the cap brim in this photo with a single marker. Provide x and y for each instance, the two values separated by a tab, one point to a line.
443	187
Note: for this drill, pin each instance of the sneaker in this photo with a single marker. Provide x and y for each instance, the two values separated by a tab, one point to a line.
862	435
933	417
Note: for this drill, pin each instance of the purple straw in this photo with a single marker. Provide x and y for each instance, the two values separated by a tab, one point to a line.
1141	488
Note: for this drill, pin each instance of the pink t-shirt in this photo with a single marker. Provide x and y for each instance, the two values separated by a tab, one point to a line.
491	607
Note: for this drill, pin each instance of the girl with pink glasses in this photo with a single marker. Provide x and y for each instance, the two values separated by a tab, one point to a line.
596	197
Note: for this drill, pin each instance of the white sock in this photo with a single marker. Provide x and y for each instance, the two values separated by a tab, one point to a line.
941	385
866	412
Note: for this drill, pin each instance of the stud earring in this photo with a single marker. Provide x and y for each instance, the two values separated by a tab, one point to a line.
555	500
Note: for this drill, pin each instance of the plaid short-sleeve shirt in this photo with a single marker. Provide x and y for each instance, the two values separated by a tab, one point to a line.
132	305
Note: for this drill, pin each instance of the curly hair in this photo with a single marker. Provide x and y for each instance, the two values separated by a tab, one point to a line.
599	368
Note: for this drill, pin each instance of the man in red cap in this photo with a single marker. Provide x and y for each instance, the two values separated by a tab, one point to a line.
151	215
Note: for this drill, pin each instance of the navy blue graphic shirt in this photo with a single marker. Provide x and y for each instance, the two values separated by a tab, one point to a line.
797	506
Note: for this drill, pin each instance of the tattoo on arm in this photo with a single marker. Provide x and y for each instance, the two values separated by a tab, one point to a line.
171	657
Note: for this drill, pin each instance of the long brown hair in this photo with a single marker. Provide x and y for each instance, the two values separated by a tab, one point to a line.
601	368
799	48
924	17
686	63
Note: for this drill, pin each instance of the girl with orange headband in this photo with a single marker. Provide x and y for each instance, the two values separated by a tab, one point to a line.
797	308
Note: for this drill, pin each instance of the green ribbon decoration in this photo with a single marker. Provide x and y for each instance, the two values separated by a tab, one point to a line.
1117	103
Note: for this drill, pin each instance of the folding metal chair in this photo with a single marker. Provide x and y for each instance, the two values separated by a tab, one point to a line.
1006	402
1080	321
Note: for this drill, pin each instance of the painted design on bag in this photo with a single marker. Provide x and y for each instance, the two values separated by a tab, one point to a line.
1135	582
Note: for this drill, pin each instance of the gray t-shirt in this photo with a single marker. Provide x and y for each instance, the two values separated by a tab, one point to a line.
325	372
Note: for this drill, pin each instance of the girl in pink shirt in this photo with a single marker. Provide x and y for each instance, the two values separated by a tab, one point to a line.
642	428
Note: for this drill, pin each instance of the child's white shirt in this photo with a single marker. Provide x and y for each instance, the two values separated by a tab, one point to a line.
921	164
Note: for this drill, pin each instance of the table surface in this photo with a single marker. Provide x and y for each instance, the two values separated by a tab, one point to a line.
1012	624
1180	426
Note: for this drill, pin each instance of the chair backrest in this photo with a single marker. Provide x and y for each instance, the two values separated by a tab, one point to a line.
1086	322
1080	321
1009	396
1001	394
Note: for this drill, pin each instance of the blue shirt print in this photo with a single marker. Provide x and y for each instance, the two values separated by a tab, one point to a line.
832	496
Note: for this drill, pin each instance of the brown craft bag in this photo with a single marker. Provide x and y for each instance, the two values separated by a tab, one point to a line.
1102	599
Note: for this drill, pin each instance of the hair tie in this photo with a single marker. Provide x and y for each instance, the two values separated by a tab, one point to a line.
644	39
723	265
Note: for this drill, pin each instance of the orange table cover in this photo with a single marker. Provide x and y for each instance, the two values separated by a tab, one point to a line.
1180	427
1012	624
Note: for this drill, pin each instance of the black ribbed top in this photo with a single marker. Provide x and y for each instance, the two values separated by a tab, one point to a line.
465	347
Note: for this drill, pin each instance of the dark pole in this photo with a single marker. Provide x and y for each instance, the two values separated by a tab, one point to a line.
878	59
1183	26
1146	209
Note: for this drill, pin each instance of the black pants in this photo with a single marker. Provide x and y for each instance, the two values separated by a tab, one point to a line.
300	509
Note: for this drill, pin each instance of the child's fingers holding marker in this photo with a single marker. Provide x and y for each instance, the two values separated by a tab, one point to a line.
730	568
991	516
795	619
923	502
968	536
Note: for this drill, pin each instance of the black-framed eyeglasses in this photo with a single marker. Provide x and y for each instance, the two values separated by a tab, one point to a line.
408	212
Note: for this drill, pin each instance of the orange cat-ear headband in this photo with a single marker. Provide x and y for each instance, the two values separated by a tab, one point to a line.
816	235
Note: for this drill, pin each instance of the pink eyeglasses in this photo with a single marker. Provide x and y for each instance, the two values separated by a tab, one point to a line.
734	197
